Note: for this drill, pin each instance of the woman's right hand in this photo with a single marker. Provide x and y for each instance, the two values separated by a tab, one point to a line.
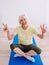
5	27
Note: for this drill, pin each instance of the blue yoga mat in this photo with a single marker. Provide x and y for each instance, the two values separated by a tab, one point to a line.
22	60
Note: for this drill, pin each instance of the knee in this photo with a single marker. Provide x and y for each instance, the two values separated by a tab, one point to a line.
39	51
11	46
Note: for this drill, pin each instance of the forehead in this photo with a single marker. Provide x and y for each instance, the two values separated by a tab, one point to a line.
22	18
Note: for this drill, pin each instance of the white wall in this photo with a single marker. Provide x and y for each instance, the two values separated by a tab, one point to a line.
11	9
47	13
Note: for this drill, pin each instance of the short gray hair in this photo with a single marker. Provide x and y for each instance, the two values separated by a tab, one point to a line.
23	16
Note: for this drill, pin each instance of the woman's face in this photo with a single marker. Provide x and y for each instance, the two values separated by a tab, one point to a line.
23	21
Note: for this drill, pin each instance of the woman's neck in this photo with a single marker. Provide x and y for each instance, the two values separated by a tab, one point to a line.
24	27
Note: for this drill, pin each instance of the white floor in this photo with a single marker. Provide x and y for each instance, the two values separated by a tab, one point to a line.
5	48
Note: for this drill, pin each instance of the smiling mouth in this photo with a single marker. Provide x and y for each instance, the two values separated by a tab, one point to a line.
23	23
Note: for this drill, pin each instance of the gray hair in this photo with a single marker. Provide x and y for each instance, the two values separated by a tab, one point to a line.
23	16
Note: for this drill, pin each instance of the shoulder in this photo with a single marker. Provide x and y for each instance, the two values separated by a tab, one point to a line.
18	27
31	27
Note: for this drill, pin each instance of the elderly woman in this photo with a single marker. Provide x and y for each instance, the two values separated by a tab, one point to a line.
25	33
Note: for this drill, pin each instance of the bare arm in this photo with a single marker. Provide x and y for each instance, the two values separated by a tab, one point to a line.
10	36
43	30
6	29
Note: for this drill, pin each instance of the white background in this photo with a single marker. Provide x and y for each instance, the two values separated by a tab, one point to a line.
36	10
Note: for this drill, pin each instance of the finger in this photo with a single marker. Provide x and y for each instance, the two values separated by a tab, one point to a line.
46	27
3	25
6	24
41	26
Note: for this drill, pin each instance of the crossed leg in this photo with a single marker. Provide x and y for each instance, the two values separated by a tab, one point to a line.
27	55
31	53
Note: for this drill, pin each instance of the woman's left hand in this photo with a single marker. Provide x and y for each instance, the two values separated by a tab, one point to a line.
43	28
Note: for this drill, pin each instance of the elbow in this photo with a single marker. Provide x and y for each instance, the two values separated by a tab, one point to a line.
9	38
41	37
